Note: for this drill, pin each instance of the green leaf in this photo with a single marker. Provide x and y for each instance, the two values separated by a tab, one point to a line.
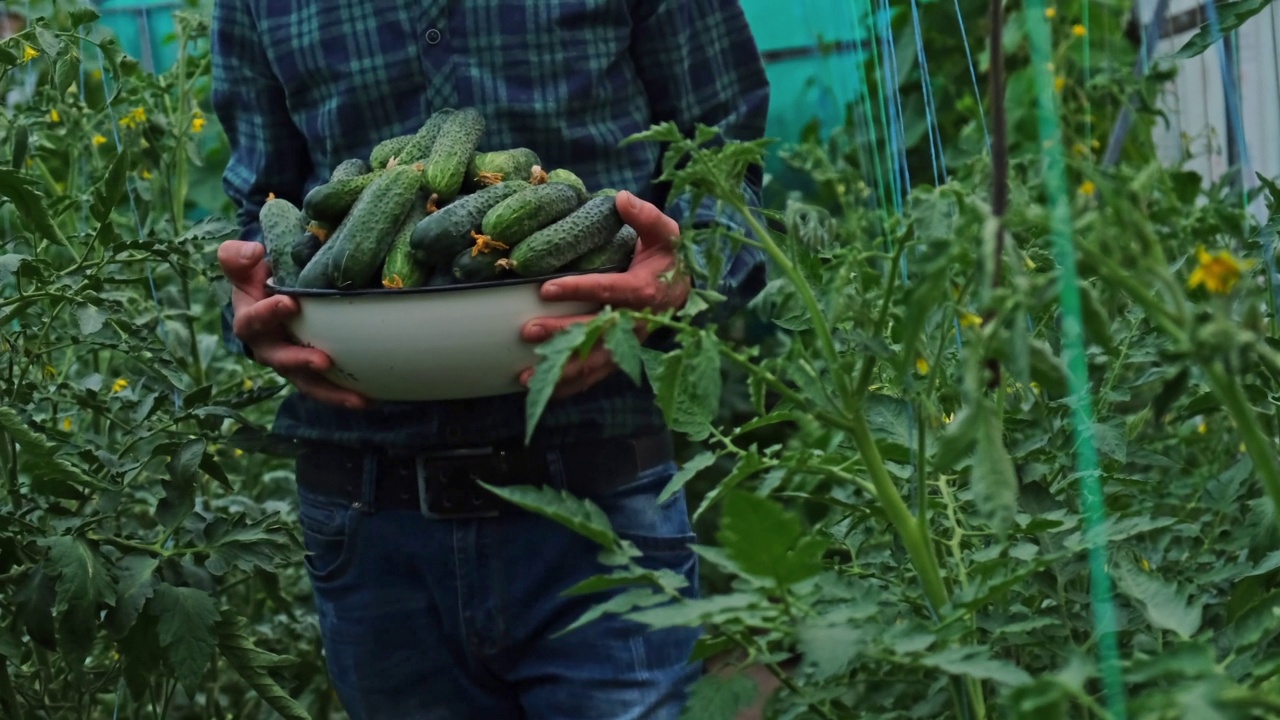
111	190
627	576
623	602
713	697
1047	370
31	206
957	439
767	541
186	618
255	665
698	611
830	650
698	463
180	487
624	346
210	229
90	318
688	386
553	355
82	16
994	479
1230	17
40	457
1164	604
263	543
748	465
136	584
67	73
976	662
579	515
84	585
1111	441
21	143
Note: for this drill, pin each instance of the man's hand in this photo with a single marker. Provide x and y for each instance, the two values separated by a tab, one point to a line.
259	323
641	287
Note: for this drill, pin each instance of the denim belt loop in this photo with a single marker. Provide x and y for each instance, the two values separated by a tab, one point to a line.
368	482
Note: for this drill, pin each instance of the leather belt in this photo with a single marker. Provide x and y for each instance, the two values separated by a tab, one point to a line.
445	485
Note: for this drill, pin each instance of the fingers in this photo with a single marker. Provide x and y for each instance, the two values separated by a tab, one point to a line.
262	319
315	386
578	375
244	264
541	329
650	223
286	358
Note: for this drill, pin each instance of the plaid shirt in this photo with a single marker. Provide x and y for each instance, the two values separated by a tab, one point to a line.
301	86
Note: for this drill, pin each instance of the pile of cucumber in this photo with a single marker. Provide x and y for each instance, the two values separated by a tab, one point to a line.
427	209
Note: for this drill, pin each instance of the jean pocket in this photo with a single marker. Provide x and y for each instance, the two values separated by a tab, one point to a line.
659	530
329	528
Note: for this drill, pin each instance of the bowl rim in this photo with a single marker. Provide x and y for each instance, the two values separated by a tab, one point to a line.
397	292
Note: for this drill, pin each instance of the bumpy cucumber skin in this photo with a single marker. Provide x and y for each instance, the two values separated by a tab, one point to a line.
444	233
387	149
446	166
349	169
568	178
279	220
401	270
518	217
362	240
330	202
513	164
305	248
555	246
419	148
618	251
478	268
605	192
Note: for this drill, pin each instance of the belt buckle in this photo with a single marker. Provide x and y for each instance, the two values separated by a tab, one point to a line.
448	483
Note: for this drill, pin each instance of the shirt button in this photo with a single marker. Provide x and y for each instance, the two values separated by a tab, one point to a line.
433	36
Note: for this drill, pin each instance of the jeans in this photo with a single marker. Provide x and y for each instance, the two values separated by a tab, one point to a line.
453	620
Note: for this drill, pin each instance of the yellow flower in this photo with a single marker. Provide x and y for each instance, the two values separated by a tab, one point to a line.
1050	13
54	116
1146	565
1078	30
98	140
948	418
1028	263
1059	82
247	384
29	53
922	366
1080	149
136	117
1217	273
1087	187
1202	429
119	385
968	319
1035	387
1095	143
50	372
146	174
197	122
1243	448
238	452
66	423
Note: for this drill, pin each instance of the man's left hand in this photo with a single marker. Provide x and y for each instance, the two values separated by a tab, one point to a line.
644	286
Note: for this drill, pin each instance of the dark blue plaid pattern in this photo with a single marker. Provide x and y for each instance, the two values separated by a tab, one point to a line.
301	85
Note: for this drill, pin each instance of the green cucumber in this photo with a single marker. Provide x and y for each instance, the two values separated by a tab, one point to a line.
439	238
491	168
568	178
401	270
605	192
330	202
280	220
555	246
446	166
349	169
470	266
359	246
305	248
441	275
387	149
518	217
419	147
618	251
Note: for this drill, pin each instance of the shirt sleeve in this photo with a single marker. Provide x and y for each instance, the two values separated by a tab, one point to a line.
699	63
268	151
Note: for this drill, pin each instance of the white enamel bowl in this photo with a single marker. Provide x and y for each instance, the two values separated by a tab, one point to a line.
431	343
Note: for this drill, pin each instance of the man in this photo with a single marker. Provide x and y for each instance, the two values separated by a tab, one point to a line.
426	614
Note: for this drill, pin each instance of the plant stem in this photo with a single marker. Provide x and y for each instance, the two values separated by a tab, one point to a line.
1260	449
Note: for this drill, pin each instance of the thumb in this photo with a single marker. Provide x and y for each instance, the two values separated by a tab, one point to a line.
242	262
651	224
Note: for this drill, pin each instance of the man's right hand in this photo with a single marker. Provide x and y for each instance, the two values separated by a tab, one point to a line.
259	324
